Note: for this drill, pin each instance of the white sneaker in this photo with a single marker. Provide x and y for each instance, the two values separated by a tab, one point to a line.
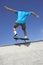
25	37
15	35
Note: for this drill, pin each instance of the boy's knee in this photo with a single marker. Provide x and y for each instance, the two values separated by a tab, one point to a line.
14	26
23	28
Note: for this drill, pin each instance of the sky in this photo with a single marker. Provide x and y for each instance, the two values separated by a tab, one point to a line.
34	26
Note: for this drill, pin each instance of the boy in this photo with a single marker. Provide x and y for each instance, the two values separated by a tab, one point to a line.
22	15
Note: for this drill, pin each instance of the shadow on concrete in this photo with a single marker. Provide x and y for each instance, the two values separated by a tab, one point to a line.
25	44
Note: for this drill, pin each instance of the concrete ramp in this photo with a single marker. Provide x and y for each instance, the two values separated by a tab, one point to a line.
31	54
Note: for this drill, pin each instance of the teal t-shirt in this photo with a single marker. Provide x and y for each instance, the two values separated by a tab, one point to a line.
22	15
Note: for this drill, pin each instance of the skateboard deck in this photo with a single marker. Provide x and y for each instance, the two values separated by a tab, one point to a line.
21	39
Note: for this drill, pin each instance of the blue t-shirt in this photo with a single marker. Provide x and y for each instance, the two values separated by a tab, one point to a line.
22	16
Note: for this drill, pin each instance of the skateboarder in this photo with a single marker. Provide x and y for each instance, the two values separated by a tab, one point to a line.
22	15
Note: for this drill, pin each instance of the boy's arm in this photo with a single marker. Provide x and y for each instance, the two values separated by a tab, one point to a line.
10	9
34	14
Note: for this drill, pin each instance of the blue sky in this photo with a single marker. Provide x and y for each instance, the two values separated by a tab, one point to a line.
7	20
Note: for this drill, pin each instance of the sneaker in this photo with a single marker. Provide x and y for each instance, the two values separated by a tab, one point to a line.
15	35
26	37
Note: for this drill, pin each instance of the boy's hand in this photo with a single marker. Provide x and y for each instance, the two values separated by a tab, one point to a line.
34	14
38	16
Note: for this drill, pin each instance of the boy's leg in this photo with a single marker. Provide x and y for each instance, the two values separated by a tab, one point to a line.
15	26
24	30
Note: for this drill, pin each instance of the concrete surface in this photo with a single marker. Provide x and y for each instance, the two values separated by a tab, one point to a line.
31	54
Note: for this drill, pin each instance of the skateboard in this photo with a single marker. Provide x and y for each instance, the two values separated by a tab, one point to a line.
25	39
21	38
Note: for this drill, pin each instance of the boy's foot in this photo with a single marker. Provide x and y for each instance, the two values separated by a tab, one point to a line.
26	37
15	35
